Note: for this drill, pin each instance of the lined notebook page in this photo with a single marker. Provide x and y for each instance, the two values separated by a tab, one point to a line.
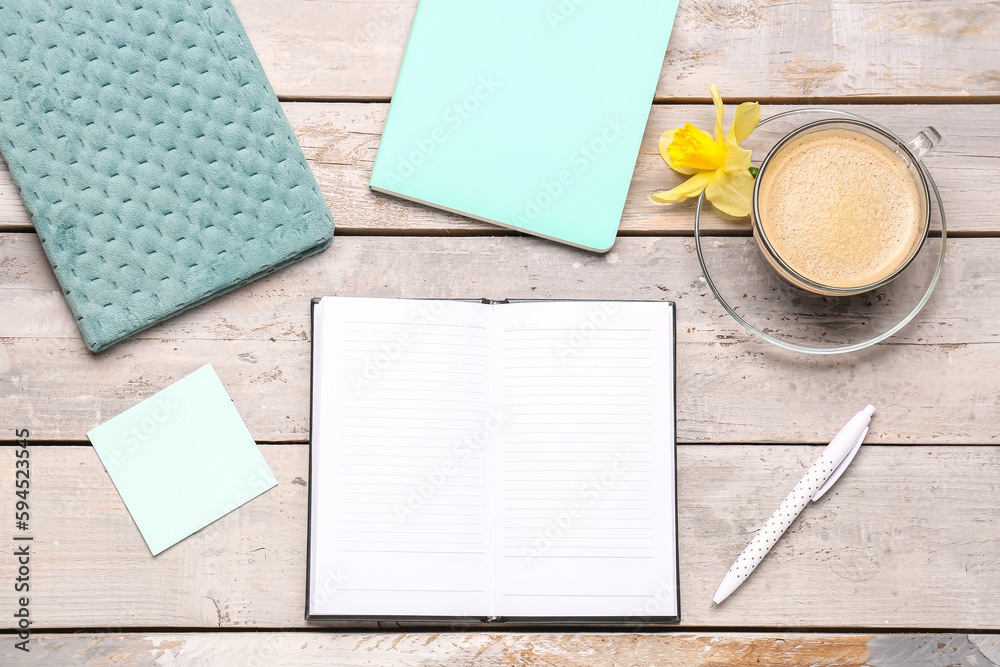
478	460
585	468
402	428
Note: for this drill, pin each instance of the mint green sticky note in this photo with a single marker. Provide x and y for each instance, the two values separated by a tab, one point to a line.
182	459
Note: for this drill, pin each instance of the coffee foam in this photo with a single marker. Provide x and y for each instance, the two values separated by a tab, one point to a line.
840	208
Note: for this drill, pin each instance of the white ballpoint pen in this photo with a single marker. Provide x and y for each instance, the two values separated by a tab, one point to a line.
818	479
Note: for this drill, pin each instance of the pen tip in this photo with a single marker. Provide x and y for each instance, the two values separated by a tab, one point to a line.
711	605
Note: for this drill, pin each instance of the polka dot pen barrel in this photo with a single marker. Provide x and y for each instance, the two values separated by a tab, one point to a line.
818	479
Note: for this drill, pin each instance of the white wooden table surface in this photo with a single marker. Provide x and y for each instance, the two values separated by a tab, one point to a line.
905	553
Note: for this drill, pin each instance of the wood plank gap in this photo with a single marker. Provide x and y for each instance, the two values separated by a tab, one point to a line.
682	101
840	100
443	232
6	442
334	99
740	232
514	628
16	228
501	232
964	234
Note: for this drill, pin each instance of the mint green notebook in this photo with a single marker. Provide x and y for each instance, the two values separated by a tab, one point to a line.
525	114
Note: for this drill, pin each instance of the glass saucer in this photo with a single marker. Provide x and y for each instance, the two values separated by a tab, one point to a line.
766	305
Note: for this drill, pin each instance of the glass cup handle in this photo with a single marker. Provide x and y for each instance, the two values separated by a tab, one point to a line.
925	140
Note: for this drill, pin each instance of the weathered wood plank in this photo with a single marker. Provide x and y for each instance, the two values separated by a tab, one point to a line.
485	650
337	49
908	538
936	383
340	142
506	649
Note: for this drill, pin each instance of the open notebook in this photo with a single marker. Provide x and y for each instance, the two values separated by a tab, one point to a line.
493	461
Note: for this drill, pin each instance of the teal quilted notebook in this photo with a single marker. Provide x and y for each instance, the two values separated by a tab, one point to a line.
155	160
525	114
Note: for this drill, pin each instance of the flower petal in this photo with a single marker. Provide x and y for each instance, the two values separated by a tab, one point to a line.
689	188
687	171
731	192
695	149
717	100
737	159
745	121
665	139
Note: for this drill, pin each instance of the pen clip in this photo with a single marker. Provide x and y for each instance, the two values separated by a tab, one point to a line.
839	470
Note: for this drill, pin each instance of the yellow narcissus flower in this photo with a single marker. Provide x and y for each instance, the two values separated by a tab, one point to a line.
718	166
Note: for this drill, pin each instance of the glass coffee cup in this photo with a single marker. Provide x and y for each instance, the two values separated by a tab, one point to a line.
841	205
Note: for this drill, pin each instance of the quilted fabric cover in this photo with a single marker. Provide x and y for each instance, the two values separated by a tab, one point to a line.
154	158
